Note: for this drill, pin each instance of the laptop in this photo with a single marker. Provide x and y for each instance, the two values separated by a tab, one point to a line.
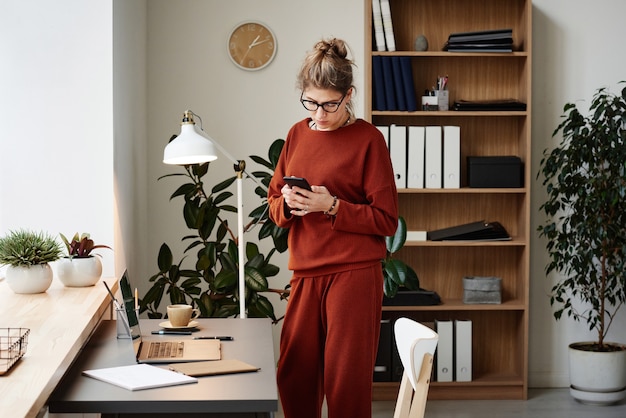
165	351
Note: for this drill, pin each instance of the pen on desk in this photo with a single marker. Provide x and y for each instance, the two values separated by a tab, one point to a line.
115	302
219	337
163	332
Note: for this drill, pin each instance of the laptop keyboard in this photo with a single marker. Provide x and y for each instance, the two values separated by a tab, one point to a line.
166	349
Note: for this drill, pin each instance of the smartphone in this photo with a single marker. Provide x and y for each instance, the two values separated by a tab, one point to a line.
297	181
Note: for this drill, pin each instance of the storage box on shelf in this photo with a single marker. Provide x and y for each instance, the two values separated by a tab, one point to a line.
500	331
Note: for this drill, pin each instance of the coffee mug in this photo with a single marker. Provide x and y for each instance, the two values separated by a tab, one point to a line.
180	315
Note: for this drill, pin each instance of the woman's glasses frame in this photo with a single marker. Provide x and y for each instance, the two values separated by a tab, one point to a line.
328	107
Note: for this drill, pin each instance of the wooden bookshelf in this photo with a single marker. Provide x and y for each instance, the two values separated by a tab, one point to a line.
500	332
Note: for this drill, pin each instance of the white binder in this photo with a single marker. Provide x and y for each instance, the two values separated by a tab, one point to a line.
397	148
463	350
379	32
445	367
451	157
384	129
432	162
385	9
415	163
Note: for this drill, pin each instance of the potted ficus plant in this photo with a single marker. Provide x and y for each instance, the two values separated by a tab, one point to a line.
27	255
585	180
80	268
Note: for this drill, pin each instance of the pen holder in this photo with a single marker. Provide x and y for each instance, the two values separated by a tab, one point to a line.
443	99
123	325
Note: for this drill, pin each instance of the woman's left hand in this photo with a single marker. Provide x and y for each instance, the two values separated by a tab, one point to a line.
302	201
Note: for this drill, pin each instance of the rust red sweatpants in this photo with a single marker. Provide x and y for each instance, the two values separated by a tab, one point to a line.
329	342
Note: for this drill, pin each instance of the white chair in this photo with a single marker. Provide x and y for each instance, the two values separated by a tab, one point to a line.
416	344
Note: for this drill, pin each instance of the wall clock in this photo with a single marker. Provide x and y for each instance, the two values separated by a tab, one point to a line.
251	45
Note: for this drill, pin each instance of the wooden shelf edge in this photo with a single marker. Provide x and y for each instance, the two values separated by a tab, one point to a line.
452	113
446	54
466	190
515	242
514	390
458	305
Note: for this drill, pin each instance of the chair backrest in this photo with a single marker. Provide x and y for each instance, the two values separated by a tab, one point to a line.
416	343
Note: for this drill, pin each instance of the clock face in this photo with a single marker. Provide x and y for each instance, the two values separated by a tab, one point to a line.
251	46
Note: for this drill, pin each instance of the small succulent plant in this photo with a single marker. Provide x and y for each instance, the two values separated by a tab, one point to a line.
23	248
80	246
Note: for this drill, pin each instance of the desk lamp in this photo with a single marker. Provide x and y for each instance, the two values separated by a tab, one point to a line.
194	146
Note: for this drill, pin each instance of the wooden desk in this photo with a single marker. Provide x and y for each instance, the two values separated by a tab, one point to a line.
61	321
246	394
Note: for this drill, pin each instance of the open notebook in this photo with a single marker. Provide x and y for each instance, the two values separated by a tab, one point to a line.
139	376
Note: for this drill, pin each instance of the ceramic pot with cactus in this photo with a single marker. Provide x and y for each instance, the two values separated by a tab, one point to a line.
27	255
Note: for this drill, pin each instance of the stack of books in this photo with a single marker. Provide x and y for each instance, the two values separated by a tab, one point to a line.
498	40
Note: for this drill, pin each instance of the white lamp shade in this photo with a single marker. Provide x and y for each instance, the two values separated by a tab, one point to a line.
190	147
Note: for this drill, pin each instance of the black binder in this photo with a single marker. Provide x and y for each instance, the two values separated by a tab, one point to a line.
474	231
382	369
489	105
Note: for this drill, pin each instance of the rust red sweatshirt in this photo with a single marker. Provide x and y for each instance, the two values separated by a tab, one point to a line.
353	163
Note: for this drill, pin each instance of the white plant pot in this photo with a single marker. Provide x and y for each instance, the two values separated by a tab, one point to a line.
597	377
79	272
30	279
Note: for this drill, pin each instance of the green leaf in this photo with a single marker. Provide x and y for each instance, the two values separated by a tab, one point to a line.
261	308
164	260
255	279
261	161
397	271
274	151
223	185
226	279
396	241
184	190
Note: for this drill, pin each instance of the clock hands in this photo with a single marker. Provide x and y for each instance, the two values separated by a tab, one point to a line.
253	44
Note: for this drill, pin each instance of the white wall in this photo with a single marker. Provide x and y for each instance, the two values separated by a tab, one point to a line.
130	139
61	81
56	122
575	51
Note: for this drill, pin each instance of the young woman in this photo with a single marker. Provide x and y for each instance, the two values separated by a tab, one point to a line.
336	243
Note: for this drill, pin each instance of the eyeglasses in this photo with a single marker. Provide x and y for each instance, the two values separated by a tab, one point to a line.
329	107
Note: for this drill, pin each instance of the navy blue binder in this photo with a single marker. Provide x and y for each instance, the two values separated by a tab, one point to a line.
409	86
390	94
379	101
398	83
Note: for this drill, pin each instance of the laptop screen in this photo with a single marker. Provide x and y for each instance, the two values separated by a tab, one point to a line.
129	307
